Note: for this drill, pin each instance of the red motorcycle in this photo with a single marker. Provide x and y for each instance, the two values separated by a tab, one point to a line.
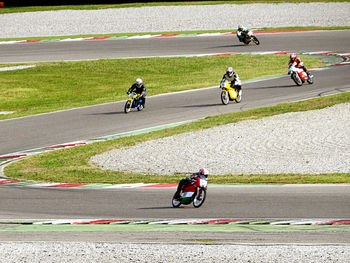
194	192
299	76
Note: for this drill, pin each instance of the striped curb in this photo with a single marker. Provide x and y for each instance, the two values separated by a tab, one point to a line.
82	186
145	37
14	182
196	221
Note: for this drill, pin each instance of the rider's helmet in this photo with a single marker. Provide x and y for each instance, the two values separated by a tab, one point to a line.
203	171
240	28
293	56
229	71
138	82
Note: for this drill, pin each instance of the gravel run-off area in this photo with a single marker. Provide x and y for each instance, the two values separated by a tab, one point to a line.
172	18
109	252
310	142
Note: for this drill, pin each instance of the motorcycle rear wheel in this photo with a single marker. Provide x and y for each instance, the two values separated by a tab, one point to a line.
224	97
297	79
200	198
255	40
127	107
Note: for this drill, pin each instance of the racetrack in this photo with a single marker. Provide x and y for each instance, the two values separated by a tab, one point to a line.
96	49
241	201
100	120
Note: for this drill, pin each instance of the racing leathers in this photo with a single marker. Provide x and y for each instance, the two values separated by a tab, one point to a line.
298	64
139	89
242	33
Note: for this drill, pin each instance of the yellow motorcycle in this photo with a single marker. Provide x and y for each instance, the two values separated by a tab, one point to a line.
230	94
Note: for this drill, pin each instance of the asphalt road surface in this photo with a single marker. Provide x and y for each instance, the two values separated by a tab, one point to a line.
100	120
96	49
243	202
292	201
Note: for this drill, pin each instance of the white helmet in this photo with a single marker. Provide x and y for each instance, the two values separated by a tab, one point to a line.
138	81
203	171
229	71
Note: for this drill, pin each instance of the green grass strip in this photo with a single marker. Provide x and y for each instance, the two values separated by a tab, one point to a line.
185	228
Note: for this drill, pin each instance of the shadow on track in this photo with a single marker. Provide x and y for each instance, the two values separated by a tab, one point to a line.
276	87
202	105
161	207
226	46
108	113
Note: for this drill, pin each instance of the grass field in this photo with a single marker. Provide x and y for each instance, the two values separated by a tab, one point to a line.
63	85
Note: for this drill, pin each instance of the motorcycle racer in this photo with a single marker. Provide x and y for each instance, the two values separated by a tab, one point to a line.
242	32
140	88
296	62
201	174
233	77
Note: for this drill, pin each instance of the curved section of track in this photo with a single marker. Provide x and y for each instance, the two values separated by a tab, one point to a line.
100	120
107	119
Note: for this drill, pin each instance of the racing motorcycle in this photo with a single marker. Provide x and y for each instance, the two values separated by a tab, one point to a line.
134	101
248	37
230	94
193	192
299	76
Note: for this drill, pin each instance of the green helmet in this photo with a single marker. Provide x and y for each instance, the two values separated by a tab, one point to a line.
240	27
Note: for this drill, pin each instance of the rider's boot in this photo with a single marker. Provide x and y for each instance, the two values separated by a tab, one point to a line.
306	71
238	90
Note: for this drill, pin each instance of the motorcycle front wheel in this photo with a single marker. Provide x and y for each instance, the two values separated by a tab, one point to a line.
200	198
297	79
175	202
255	40
239	97
224	97
127	107
310	79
